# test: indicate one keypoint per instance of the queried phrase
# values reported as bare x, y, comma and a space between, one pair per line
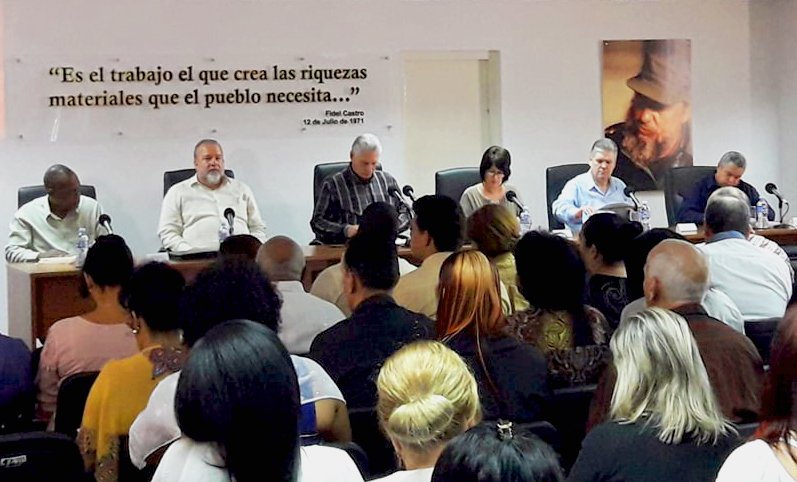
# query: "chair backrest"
71, 401
555, 179
453, 182
129, 472
27, 194
356, 453
544, 430
569, 413
170, 178
323, 171
679, 183
40, 456
761, 332
746, 430
366, 433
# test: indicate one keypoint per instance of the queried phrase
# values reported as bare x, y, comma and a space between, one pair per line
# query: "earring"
135, 329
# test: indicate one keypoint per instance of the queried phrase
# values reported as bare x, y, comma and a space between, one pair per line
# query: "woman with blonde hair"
512, 376
665, 423
426, 397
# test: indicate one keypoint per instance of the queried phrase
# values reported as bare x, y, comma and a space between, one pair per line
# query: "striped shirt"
344, 196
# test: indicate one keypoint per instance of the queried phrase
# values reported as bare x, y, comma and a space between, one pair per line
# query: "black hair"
153, 294
244, 245
610, 234
497, 157
240, 380
727, 213
373, 261
109, 262
552, 276
637, 254
380, 220
442, 218
482, 455
229, 289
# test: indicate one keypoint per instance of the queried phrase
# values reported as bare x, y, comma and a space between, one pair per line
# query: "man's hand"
588, 210
53, 253
351, 230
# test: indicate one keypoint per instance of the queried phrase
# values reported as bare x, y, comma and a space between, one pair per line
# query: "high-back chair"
555, 179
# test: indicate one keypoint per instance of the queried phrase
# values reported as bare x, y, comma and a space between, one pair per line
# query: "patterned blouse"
609, 295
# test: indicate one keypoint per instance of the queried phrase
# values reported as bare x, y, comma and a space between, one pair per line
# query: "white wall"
550, 70
784, 74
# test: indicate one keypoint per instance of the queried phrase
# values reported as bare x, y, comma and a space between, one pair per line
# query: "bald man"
47, 226
303, 315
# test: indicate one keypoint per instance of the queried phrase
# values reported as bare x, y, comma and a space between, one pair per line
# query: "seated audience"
380, 221
573, 336
85, 343
676, 277
353, 350
48, 226
123, 387
715, 302
772, 454
244, 245
236, 289
494, 231
494, 171
427, 396
490, 453
17, 394
757, 281
436, 231
603, 241
512, 376
303, 315
239, 380
665, 423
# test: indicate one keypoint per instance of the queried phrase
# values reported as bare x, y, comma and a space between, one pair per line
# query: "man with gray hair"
730, 170
758, 281
344, 195
589, 192
303, 315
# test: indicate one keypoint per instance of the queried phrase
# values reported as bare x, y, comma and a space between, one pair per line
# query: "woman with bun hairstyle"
427, 396
604, 241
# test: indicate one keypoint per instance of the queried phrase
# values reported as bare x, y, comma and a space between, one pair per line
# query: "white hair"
366, 143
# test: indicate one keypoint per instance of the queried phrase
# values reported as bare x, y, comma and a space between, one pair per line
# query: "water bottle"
224, 231
761, 214
644, 215
525, 221
82, 247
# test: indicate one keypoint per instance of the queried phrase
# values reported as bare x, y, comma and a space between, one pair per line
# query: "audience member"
84, 343
487, 453
240, 381
772, 454
123, 387
494, 231
48, 226
604, 240
573, 336
353, 350
193, 210
494, 171
426, 396
17, 393
344, 195
665, 421
380, 222
757, 281
235, 289
244, 245
303, 315
676, 277
512, 376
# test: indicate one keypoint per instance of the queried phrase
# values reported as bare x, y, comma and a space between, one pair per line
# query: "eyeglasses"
495, 172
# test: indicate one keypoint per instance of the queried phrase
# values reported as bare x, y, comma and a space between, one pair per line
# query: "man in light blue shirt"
589, 192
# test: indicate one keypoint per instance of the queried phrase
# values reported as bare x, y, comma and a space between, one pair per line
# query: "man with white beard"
192, 212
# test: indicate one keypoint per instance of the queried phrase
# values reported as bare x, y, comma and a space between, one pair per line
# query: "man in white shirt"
758, 281
303, 315
193, 210
48, 226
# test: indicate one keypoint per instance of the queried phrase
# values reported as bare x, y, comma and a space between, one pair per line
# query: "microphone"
771, 188
631, 192
393, 191
409, 192
511, 196
105, 221
229, 215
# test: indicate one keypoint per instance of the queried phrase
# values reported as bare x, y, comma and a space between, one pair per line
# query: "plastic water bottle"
644, 215
761, 214
525, 221
224, 231
82, 247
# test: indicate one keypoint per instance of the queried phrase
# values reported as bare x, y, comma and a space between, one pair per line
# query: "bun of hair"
421, 421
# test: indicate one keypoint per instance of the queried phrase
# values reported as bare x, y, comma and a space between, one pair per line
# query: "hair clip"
505, 430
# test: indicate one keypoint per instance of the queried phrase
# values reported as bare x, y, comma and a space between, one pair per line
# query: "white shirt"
35, 229
192, 213
190, 461
715, 302
757, 281
417, 475
417, 291
303, 316
753, 462
156, 425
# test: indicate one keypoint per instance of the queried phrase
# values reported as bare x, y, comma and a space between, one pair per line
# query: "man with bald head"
47, 226
303, 315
